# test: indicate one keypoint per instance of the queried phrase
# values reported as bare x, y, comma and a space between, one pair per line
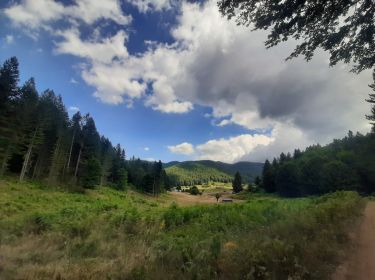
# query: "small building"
227, 200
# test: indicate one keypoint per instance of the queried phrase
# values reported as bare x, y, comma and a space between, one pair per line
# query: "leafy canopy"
344, 28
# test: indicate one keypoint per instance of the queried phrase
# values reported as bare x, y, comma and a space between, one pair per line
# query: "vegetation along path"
361, 264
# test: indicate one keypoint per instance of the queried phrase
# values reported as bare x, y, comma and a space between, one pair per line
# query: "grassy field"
49, 233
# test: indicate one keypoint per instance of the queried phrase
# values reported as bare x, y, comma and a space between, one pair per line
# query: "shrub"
194, 190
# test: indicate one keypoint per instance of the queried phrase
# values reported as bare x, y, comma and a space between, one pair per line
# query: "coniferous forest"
39, 141
344, 164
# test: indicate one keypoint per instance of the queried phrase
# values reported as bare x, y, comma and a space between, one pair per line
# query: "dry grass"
186, 199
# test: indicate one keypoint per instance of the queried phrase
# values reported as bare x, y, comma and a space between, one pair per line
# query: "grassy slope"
47, 233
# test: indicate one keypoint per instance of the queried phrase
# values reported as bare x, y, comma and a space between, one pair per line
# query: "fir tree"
237, 183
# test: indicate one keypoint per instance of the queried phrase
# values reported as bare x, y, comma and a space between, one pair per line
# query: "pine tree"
237, 183
75, 128
9, 78
268, 177
9, 93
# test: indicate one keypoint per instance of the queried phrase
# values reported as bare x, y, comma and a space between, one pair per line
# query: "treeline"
39, 141
195, 173
345, 164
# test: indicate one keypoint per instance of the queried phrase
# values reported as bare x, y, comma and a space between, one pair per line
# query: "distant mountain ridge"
200, 171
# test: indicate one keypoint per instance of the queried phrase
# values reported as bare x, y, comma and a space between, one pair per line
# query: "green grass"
49, 233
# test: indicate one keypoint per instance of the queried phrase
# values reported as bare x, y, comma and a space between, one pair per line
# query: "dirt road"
361, 264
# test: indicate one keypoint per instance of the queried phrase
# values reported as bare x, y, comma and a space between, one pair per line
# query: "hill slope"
192, 173
197, 172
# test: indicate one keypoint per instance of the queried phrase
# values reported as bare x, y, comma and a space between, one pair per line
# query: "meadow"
52, 233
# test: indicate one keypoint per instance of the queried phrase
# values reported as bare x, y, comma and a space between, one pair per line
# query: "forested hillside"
248, 170
202, 171
195, 173
39, 141
345, 164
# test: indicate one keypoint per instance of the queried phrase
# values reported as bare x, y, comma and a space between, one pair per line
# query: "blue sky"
173, 80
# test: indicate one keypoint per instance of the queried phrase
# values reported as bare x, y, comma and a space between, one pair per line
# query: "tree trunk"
5, 161
28, 155
26, 162
70, 150
53, 172
78, 160
36, 168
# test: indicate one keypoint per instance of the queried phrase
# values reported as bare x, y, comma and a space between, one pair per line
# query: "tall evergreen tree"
9, 78
9, 91
237, 183
268, 177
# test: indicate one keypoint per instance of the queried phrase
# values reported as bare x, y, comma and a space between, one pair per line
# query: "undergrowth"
50, 233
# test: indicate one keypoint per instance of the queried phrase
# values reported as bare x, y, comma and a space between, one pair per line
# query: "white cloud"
90, 11
286, 137
9, 39
152, 5
232, 149
150, 159
35, 14
146, 149
73, 109
183, 148
102, 51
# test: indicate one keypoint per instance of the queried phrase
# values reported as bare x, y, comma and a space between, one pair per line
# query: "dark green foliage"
287, 180
149, 177
39, 141
346, 164
194, 190
91, 173
258, 182
268, 177
237, 183
9, 77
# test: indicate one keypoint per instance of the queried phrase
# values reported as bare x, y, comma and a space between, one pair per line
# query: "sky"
174, 80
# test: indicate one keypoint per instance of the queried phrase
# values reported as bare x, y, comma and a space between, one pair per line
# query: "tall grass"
48, 233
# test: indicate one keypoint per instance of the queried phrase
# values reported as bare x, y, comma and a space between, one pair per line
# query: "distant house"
227, 200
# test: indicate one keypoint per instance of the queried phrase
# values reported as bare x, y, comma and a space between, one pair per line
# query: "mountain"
198, 172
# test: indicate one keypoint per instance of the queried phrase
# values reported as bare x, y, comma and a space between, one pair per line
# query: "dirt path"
361, 264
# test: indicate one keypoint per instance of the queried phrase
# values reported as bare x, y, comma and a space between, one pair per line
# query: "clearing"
185, 199
361, 264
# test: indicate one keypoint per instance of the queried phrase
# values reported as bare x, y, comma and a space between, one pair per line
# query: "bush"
194, 190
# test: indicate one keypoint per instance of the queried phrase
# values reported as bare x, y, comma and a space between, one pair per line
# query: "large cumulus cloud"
215, 63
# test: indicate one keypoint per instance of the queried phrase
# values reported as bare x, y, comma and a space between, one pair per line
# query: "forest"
39, 141
195, 173
344, 164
